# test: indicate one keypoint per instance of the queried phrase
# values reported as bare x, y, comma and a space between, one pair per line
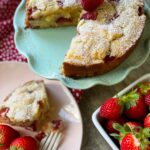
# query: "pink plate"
13, 74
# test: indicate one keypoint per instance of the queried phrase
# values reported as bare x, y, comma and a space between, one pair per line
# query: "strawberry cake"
107, 31
25, 105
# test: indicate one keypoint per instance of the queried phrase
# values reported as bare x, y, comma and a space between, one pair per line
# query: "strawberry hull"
99, 122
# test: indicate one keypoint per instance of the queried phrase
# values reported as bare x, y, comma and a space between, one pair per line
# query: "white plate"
97, 120
14, 74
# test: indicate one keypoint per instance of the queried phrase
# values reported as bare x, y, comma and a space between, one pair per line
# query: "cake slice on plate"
26, 105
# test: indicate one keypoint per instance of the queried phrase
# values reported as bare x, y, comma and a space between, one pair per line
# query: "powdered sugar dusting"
117, 35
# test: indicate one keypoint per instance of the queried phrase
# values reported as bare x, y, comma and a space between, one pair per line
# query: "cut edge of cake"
48, 17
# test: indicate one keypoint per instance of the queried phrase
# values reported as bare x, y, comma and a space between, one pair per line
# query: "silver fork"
51, 141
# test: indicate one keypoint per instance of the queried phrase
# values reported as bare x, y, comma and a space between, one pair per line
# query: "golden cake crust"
27, 24
76, 71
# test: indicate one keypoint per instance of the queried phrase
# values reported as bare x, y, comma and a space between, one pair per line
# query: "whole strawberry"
24, 143
136, 140
7, 135
109, 124
130, 142
131, 139
111, 109
91, 5
147, 121
135, 107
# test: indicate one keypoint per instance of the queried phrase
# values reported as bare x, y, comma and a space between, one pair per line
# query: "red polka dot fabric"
8, 51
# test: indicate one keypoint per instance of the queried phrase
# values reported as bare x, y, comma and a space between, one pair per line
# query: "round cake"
105, 36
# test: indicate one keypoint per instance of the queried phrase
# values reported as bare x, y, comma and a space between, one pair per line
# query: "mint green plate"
45, 50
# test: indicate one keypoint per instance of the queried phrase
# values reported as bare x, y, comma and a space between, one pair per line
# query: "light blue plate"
45, 50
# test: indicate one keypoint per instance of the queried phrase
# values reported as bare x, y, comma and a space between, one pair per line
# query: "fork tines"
51, 141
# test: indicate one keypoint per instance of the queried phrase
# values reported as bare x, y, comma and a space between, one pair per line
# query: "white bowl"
97, 120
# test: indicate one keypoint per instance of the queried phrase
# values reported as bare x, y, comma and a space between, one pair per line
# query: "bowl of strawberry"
124, 120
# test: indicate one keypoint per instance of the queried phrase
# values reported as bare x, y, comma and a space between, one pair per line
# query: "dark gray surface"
93, 98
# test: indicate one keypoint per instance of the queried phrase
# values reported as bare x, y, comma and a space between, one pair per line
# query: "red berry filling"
4, 111
63, 20
91, 5
108, 58
141, 11
89, 16
60, 3
40, 136
56, 124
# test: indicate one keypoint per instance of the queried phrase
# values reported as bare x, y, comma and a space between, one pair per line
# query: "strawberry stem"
145, 88
130, 99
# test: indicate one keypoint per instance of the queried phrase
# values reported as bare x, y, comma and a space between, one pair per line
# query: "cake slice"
26, 105
105, 40
52, 13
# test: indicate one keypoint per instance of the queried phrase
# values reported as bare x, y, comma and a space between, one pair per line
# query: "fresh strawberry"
147, 98
91, 5
63, 20
24, 143
136, 140
135, 107
143, 88
147, 121
111, 109
7, 135
123, 130
109, 124
130, 142
131, 139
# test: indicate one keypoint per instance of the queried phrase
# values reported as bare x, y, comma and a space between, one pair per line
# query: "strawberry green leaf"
127, 128
13, 148
142, 146
115, 135
145, 88
1, 144
130, 99
146, 132
144, 143
118, 127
